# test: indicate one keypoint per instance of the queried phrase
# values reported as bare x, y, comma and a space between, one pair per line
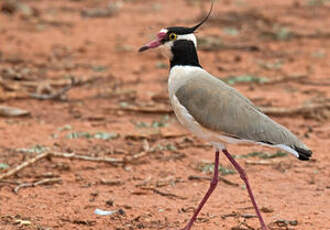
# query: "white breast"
179, 75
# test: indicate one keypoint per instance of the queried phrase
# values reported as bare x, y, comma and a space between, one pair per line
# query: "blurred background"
90, 116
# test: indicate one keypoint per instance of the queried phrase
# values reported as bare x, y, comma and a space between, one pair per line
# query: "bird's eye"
172, 36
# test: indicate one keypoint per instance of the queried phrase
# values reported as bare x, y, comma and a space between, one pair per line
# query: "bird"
214, 111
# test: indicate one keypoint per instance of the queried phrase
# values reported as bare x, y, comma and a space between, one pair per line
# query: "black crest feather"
205, 19
186, 30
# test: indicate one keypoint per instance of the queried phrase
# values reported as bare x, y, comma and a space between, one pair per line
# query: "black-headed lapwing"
214, 111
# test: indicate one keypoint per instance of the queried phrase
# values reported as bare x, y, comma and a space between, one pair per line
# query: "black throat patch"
184, 53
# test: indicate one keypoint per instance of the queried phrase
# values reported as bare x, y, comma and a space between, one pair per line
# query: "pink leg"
213, 185
245, 179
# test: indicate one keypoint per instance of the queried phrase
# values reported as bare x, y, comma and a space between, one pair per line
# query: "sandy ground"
277, 53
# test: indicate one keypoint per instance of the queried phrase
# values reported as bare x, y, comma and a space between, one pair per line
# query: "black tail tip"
304, 154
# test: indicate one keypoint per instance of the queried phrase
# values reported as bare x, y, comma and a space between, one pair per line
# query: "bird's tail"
304, 153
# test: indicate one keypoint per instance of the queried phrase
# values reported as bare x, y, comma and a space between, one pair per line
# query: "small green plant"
154, 124
319, 54
123, 104
271, 65
34, 149
282, 33
65, 128
99, 68
141, 124
231, 31
161, 65
76, 135
317, 2
169, 147
87, 135
105, 135
3, 166
272, 155
262, 155
209, 167
231, 80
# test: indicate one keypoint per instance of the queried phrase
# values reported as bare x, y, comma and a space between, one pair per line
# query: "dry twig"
144, 109
61, 82
285, 79
23, 165
74, 156
112, 161
166, 194
20, 90
318, 83
57, 95
260, 162
209, 179
46, 181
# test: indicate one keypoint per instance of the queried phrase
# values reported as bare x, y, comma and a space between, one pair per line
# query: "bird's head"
168, 37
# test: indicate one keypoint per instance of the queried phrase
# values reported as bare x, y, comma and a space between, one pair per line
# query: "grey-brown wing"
221, 108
